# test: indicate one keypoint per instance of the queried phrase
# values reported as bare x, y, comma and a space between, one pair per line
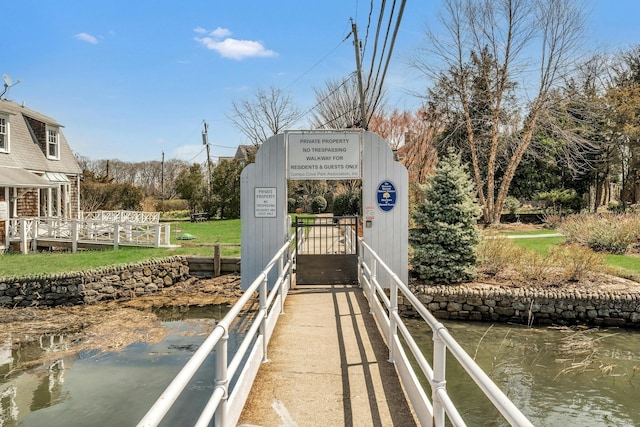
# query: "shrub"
615, 207
346, 204
535, 267
511, 204
608, 232
561, 201
319, 204
495, 252
291, 205
173, 215
576, 261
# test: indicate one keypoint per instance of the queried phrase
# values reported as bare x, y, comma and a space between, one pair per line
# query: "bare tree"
338, 105
268, 113
510, 32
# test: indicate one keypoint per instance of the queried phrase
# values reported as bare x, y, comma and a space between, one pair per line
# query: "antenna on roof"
7, 84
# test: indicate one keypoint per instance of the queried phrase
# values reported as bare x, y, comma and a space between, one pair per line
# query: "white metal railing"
385, 310
28, 231
225, 404
122, 216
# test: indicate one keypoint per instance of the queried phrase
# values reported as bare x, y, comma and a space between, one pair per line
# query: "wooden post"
216, 260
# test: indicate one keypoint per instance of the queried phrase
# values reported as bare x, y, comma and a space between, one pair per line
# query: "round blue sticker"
386, 195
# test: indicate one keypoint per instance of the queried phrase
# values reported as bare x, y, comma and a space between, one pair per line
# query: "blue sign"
386, 196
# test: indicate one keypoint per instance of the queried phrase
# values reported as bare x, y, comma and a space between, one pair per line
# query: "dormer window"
4, 134
53, 143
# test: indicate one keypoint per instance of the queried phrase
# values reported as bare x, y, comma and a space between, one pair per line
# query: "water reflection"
43, 384
27, 385
555, 376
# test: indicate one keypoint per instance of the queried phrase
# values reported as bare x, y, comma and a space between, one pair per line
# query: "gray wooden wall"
263, 237
389, 232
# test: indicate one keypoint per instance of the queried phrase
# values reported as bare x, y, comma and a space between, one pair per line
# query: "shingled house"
39, 175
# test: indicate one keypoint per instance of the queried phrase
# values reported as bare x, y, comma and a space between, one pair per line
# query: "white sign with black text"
334, 155
265, 202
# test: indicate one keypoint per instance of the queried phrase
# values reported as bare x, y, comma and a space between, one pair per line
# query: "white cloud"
86, 38
201, 30
220, 32
236, 49
228, 47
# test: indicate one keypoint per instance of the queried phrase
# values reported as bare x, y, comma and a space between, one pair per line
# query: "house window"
4, 135
53, 143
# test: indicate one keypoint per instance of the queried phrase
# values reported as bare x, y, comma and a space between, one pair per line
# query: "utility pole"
162, 181
205, 141
356, 45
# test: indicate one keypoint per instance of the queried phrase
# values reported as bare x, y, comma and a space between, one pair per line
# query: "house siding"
27, 202
40, 131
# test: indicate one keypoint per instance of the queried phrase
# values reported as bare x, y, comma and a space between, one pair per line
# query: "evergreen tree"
445, 242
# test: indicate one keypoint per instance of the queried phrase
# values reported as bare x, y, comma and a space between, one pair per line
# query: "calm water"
556, 377
107, 389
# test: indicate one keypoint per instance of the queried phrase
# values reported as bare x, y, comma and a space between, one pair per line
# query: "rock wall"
86, 287
528, 305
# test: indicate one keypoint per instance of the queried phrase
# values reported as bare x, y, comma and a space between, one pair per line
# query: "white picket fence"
135, 217
79, 232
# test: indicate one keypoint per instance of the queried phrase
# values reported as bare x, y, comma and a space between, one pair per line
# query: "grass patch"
626, 262
540, 245
530, 232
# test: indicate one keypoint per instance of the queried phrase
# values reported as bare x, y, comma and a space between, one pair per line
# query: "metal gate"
327, 250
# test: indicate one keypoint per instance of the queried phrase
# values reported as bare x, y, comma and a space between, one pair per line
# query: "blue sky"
131, 79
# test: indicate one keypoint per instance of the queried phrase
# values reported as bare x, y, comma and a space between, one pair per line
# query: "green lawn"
542, 245
530, 232
206, 235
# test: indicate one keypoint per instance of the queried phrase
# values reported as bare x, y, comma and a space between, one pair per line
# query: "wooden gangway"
328, 365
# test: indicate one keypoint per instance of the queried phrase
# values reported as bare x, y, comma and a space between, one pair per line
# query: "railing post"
221, 380
282, 282
116, 235
34, 235
263, 322
393, 324
439, 381
374, 281
167, 234
74, 236
158, 228
23, 236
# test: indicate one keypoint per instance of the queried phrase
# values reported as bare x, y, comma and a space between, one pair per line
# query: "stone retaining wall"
124, 281
528, 305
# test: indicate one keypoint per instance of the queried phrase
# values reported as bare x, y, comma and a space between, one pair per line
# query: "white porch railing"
385, 311
225, 404
28, 231
122, 216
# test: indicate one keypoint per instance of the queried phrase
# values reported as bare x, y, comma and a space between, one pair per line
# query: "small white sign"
369, 213
324, 155
4, 211
265, 202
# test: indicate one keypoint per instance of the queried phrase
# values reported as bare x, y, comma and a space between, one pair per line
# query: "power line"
391, 45
319, 62
328, 95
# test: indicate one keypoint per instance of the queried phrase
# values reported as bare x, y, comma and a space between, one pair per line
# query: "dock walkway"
327, 366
